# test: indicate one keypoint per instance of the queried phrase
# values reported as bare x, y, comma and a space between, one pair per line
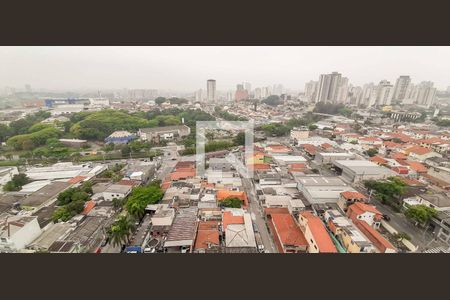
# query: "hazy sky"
188, 68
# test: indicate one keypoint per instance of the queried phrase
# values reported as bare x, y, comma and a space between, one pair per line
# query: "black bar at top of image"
231, 22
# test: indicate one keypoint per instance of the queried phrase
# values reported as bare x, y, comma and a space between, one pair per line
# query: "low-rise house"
381, 243
118, 191
16, 232
319, 241
442, 173
240, 235
288, 236
438, 201
347, 198
351, 238
224, 194
207, 236
181, 236
421, 153
365, 212
49, 236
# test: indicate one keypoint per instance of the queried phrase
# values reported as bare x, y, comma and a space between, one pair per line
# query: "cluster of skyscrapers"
243, 91
335, 88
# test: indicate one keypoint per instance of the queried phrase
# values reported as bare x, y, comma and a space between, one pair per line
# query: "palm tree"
121, 230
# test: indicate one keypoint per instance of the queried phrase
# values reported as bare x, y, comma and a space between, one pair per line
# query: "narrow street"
257, 217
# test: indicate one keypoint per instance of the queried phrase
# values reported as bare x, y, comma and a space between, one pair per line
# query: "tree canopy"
273, 100
232, 202
141, 197
16, 183
420, 213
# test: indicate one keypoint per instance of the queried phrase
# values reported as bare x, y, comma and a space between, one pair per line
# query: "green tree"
141, 197
372, 152
400, 236
272, 100
121, 230
421, 214
239, 139
16, 183
125, 151
160, 100
231, 202
312, 127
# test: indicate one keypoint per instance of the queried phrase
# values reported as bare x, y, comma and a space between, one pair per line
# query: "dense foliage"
273, 100
232, 202
227, 116
332, 109
71, 202
420, 213
16, 183
32, 140
141, 197
99, 125
372, 152
387, 191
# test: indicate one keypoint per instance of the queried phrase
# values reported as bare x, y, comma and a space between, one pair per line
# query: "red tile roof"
398, 156
76, 179
378, 159
182, 175
374, 236
318, 230
353, 195
228, 218
276, 210
207, 234
288, 231
88, 206
400, 170
418, 150
360, 208
311, 149
417, 166
224, 194
326, 146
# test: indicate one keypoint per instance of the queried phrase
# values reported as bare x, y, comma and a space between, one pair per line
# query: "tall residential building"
257, 93
229, 96
241, 93
265, 92
425, 94
342, 92
401, 87
311, 90
355, 95
382, 94
277, 89
211, 90
248, 87
199, 95
328, 87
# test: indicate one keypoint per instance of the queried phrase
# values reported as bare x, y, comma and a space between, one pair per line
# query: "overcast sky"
188, 68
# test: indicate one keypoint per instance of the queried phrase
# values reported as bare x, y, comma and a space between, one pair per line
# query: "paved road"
419, 237
257, 217
167, 163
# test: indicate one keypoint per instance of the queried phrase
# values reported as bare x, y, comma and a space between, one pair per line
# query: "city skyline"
187, 68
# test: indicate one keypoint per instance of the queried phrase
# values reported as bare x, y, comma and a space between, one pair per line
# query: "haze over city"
187, 68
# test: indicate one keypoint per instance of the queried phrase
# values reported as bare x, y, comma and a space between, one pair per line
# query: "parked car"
386, 217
